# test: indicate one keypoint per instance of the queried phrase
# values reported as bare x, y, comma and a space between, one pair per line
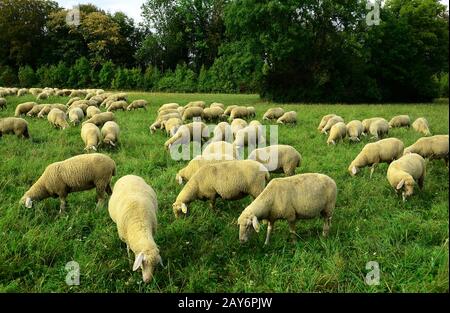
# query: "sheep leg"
100, 196
108, 189
372, 169
212, 203
62, 206
269, 230
421, 182
292, 231
326, 226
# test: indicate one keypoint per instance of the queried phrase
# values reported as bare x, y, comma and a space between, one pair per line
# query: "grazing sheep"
218, 105
194, 131
58, 119
14, 125
101, 118
42, 96
97, 99
239, 112
278, 158
89, 95
185, 174
400, 121
421, 126
168, 111
22, 92
249, 136
110, 133
91, 136
180, 110
46, 108
251, 111
405, 172
241, 178
273, 114
213, 113
118, 105
229, 109
79, 173
192, 112
223, 132
24, 108
82, 104
35, 110
78, 93
288, 118
35, 91
91, 111
198, 104
3, 103
76, 115
367, 122
324, 121
159, 123
354, 130
332, 121
220, 147
72, 100
434, 147
133, 207
60, 106
171, 125
383, 151
168, 106
237, 125
379, 129
303, 196
137, 104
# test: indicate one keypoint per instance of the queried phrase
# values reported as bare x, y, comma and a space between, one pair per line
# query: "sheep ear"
184, 208
400, 184
160, 260
354, 170
180, 180
255, 224
28, 203
138, 261
94, 148
112, 143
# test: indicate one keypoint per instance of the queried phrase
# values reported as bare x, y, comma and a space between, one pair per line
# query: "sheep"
400, 121
251, 111
324, 121
223, 132
118, 105
405, 172
82, 104
101, 118
3, 103
91, 111
278, 158
24, 108
199, 104
379, 129
229, 109
168, 111
217, 104
383, 151
331, 122
58, 119
213, 113
46, 108
303, 196
168, 106
60, 93
171, 125
42, 96
288, 118
367, 122
239, 112
14, 125
185, 174
273, 114
250, 135
78, 93
220, 147
158, 124
420, 125
354, 130
22, 92
137, 104
434, 147
110, 133
240, 178
192, 112
97, 99
194, 131
180, 110
35, 91
237, 125
91, 136
79, 173
89, 95
72, 100
35, 110
60, 106
133, 207
76, 115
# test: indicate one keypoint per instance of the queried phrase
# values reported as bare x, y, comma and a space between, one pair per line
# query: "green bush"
8, 77
43, 76
150, 78
27, 77
80, 74
107, 74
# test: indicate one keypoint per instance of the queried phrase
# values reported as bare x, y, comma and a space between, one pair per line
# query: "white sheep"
383, 151
72, 100
273, 114
169, 106
22, 92
110, 133
324, 121
251, 111
238, 112
278, 158
91, 136
434, 147
3, 103
220, 147
42, 96
137, 104
101, 118
367, 122
14, 125
237, 125
249, 136
405, 172
79, 173
213, 113
171, 125
421, 125
332, 121
24, 108
243, 177
117, 105
217, 104
354, 130
133, 206
91, 111
46, 108
288, 118
198, 104
223, 132
229, 109
192, 112
58, 118
198, 162
76, 115
379, 129
303, 196
35, 110
186, 133
337, 132
400, 121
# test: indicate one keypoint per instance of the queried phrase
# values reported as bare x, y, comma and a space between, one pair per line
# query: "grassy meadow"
202, 253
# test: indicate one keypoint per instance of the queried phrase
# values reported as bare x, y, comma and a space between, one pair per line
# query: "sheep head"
353, 169
147, 261
245, 227
408, 185
178, 208
26, 201
179, 179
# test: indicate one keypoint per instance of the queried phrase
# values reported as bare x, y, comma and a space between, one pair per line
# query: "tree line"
285, 50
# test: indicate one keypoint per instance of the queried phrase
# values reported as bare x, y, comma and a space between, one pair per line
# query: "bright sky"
131, 7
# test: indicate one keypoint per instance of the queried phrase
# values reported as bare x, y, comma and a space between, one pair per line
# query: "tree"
107, 74
80, 74
27, 77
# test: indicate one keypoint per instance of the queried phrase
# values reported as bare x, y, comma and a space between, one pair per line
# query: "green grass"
202, 253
